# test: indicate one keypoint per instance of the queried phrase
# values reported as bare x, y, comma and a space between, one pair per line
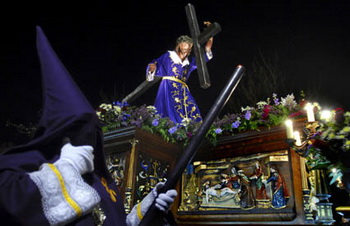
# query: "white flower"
106, 106
109, 107
151, 107
103, 106
117, 109
261, 104
289, 101
248, 108
185, 121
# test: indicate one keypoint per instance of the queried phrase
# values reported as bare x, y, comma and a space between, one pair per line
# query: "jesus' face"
184, 49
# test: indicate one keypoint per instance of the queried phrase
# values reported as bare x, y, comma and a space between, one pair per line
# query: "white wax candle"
297, 138
310, 112
289, 127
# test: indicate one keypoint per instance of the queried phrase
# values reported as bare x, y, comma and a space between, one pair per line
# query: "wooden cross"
198, 40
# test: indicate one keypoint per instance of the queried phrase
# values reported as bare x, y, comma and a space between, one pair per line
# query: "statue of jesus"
174, 99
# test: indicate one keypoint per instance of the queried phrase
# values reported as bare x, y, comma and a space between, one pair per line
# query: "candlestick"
289, 127
297, 138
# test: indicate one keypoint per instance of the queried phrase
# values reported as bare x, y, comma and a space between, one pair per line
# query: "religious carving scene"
246, 183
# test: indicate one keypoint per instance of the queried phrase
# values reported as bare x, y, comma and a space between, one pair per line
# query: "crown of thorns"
184, 38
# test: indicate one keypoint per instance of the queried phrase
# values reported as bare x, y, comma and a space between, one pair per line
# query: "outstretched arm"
150, 71
209, 43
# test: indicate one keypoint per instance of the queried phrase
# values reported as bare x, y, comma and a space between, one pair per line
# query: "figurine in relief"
280, 193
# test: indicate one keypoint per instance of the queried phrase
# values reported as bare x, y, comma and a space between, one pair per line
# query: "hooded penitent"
66, 114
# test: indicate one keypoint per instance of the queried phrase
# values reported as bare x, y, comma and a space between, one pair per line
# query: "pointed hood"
66, 111
63, 100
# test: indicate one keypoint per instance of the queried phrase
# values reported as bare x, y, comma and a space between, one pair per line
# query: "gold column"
304, 175
306, 192
128, 188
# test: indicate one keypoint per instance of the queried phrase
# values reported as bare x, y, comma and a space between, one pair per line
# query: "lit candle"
289, 126
326, 115
310, 112
297, 138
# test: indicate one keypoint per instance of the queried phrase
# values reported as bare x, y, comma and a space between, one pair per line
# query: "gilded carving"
242, 183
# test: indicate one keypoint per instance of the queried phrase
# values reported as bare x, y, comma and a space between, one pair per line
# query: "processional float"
153, 216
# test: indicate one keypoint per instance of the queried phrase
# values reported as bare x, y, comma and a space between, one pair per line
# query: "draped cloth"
247, 195
260, 192
66, 113
280, 194
174, 99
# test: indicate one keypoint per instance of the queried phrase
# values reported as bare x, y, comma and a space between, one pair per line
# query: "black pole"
153, 213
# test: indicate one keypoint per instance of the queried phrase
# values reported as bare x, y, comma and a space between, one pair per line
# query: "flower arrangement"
265, 114
117, 115
336, 130
330, 145
326, 149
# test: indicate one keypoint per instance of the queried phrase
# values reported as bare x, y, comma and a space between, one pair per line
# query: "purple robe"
66, 113
174, 99
20, 199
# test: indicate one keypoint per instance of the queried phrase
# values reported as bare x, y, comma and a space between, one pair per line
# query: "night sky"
107, 45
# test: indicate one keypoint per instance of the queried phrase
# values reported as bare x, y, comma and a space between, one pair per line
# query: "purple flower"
155, 122
236, 124
275, 99
126, 116
136, 123
248, 115
218, 130
121, 104
172, 130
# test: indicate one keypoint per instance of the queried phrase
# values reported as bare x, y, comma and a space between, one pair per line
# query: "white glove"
164, 200
80, 157
163, 203
150, 76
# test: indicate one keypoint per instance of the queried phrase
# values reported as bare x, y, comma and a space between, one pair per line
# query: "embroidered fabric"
57, 209
135, 216
163, 203
176, 59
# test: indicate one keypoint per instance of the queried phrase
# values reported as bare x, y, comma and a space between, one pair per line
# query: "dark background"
107, 45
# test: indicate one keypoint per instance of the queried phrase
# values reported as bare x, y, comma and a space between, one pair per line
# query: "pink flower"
266, 111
